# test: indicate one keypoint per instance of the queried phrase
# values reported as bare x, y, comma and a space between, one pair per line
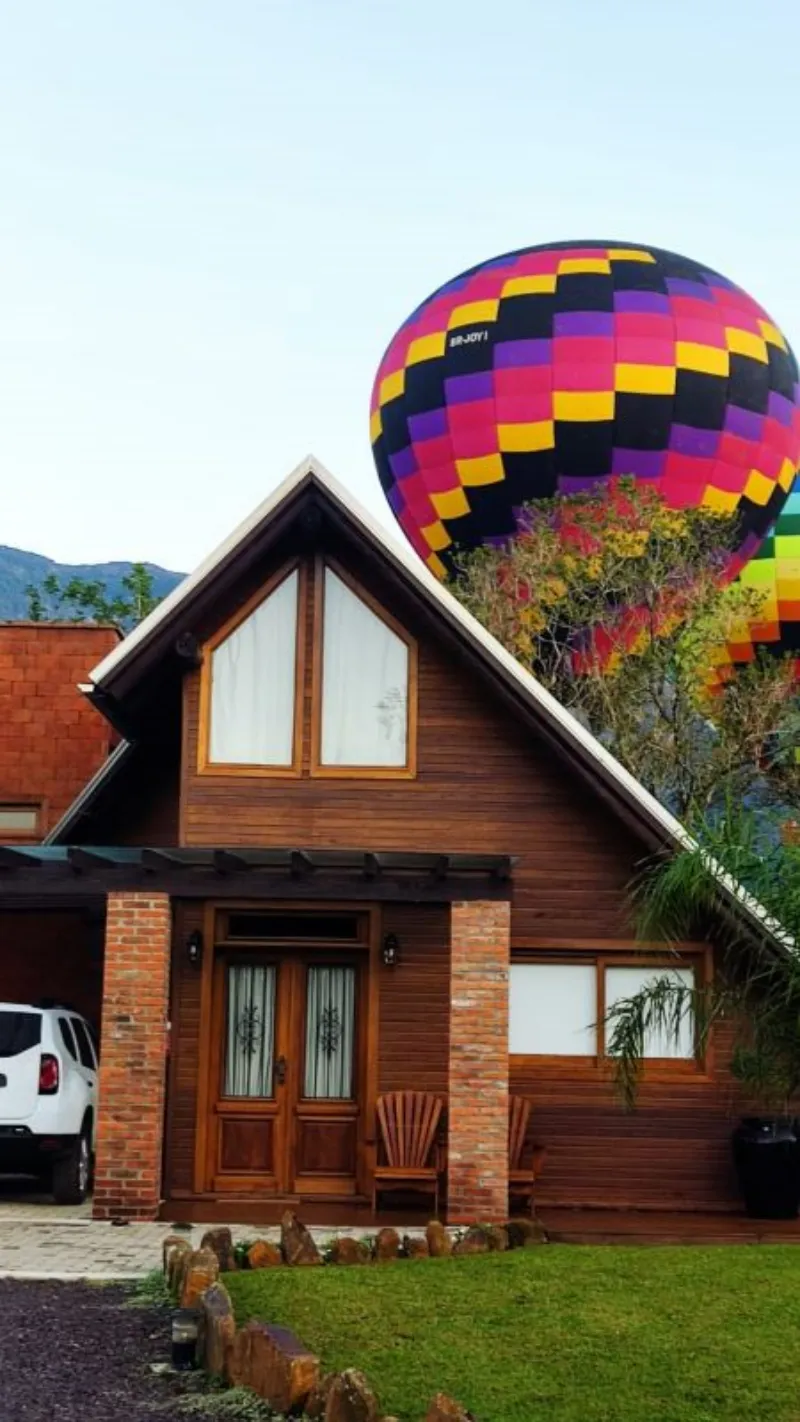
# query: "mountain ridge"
19, 568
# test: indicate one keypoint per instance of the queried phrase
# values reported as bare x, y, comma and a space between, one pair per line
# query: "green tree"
619, 606
757, 986
87, 600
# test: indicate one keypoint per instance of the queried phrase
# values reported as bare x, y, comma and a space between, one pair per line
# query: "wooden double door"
286, 1069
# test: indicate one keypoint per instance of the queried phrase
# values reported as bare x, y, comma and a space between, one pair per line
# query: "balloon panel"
774, 572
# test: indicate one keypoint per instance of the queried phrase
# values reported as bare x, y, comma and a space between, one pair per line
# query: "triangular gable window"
365, 679
252, 685
359, 668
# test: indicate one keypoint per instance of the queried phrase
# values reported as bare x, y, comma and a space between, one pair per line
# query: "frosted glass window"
364, 684
553, 1009
19, 819
626, 982
253, 685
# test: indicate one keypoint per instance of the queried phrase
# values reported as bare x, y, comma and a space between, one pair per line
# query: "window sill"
298, 772
597, 1069
362, 772
250, 772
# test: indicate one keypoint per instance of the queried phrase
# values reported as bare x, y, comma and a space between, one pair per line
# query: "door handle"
280, 1070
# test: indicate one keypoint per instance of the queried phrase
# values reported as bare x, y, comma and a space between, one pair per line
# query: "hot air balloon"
555, 368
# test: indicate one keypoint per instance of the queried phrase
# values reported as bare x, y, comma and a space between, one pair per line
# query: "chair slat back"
519, 1112
408, 1122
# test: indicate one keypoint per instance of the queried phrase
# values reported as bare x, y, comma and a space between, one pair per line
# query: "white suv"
48, 1097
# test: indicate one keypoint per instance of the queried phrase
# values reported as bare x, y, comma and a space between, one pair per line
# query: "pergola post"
477, 1153
133, 1056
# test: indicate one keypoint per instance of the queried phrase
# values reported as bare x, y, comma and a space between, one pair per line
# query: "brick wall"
133, 1065
477, 1154
51, 739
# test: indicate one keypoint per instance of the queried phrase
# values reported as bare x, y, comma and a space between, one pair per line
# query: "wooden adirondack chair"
521, 1177
408, 1122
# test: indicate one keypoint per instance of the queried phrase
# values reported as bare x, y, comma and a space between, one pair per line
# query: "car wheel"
72, 1171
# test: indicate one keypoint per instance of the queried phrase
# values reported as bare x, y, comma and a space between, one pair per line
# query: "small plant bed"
597, 1334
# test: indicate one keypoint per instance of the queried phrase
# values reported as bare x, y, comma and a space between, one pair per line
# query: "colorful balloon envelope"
555, 368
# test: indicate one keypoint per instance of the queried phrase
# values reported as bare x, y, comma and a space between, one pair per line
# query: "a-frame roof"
118, 673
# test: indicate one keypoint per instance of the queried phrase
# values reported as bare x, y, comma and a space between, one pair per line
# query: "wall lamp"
185, 1334
194, 947
390, 951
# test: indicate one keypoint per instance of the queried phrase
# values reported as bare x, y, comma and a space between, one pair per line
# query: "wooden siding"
184, 1057
414, 996
672, 1152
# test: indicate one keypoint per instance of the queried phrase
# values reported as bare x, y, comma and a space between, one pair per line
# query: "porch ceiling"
64, 871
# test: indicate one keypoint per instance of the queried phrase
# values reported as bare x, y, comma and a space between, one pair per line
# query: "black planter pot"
766, 1153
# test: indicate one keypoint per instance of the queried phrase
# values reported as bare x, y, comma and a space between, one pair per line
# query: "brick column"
130, 1124
477, 1152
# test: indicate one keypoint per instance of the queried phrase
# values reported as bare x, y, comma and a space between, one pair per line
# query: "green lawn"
570, 1334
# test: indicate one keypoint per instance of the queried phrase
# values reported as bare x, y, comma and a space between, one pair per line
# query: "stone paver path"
78, 1249
40, 1240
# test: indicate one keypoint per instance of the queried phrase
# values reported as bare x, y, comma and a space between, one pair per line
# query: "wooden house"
348, 847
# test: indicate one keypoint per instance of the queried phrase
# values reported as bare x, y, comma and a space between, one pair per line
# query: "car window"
19, 1031
93, 1040
84, 1045
68, 1037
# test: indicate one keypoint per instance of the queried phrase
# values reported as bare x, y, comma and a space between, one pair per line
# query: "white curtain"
249, 1029
253, 685
625, 982
365, 684
330, 1033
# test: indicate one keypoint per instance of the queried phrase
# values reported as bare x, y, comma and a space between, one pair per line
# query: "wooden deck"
664, 1227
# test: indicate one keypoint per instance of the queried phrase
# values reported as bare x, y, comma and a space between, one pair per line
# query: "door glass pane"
249, 1029
330, 1033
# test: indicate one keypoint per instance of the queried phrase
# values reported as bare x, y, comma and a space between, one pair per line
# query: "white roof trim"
436, 593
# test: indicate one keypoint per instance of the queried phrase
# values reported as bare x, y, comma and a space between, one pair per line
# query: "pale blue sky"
214, 214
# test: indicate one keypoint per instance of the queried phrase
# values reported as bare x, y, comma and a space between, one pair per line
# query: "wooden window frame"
698, 956
23, 802
312, 910
205, 766
408, 771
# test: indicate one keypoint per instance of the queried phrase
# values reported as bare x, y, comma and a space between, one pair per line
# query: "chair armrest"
538, 1155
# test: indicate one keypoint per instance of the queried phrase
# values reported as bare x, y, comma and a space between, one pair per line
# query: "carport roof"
254, 873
